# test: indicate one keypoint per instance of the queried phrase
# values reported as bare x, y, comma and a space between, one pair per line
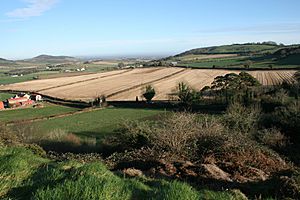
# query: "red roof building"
1, 105
17, 102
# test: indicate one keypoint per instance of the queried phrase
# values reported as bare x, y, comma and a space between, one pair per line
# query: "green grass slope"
25, 175
232, 49
257, 56
96, 123
4, 96
33, 113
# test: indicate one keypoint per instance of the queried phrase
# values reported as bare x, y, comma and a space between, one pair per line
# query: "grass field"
25, 175
4, 96
239, 62
33, 113
96, 123
5, 79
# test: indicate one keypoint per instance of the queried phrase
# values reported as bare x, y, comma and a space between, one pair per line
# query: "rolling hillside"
232, 49
249, 56
6, 62
51, 59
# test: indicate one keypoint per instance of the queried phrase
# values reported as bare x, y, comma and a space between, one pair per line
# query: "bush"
185, 94
176, 134
272, 137
132, 135
285, 118
241, 118
149, 93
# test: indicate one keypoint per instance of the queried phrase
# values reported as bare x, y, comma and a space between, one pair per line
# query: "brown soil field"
125, 85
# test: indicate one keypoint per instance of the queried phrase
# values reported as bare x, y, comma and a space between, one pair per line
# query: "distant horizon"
129, 56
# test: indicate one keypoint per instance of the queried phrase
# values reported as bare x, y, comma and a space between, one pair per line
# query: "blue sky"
140, 27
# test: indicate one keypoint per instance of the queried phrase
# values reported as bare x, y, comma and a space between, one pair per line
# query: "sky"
140, 27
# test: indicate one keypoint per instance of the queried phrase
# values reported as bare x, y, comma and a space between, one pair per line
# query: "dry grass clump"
272, 137
7, 137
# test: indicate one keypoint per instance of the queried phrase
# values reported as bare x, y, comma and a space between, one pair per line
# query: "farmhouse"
18, 102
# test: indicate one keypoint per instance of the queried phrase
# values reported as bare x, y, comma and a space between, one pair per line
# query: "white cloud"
33, 8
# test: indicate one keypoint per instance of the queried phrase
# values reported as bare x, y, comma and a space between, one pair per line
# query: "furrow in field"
127, 84
108, 86
158, 85
86, 80
38, 85
195, 78
146, 83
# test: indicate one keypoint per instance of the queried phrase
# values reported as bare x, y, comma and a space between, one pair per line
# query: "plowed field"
127, 84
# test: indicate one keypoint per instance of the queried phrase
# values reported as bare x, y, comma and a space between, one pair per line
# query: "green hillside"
250, 56
233, 49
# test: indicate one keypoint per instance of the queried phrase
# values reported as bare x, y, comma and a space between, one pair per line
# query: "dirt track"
127, 84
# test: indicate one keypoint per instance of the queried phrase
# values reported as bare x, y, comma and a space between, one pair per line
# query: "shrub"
149, 93
285, 118
176, 133
241, 118
186, 94
132, 135
272, 137
27, 132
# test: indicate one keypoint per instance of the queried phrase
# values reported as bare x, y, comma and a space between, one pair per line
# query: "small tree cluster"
149, 93
186, 94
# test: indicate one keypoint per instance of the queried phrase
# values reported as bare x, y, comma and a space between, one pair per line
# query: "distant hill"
289, 55
234, 49
237, 56
6, 62
284, 52
52, 59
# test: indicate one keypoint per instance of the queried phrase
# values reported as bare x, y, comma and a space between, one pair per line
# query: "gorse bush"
286, 118
133, 134
175, 134
241, 118
202, 139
